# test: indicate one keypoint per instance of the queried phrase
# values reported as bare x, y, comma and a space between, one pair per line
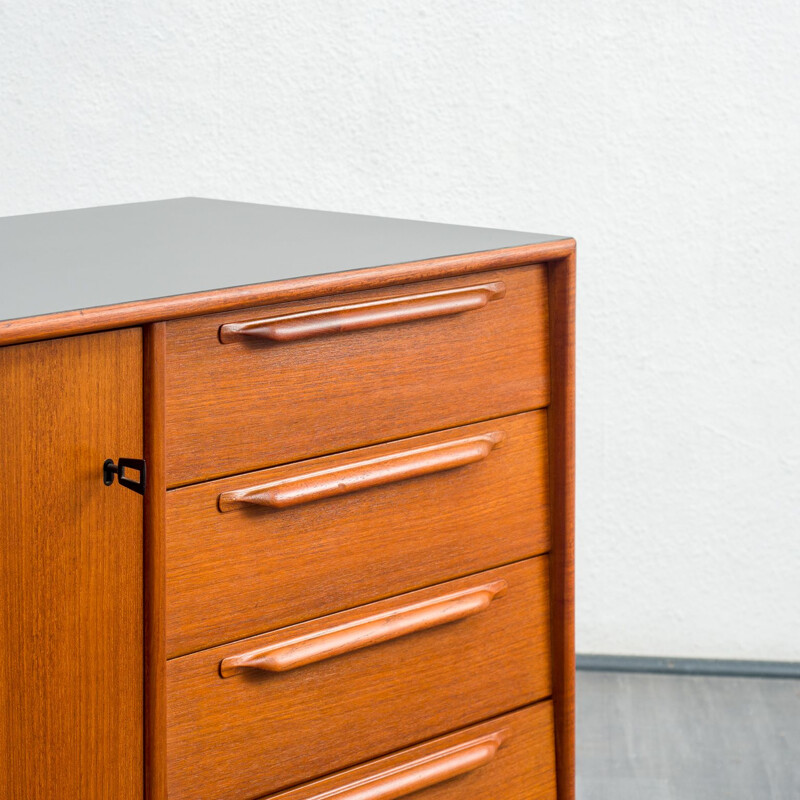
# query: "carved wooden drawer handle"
359, 316
421, 773
297, 651
304, 488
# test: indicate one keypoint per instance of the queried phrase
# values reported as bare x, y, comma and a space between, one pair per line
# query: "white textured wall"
664, 136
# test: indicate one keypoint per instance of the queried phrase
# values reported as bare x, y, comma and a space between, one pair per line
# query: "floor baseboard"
689, 666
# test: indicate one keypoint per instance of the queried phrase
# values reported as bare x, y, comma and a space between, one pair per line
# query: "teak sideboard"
287, 507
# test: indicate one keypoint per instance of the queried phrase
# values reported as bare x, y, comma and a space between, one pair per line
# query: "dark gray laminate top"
66, 260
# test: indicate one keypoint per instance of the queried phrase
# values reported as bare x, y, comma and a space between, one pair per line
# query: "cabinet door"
70, 570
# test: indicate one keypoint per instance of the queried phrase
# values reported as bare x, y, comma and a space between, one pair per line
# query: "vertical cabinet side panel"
561, 441
70, 570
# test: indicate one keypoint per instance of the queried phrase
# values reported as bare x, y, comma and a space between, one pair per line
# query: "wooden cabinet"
347, 571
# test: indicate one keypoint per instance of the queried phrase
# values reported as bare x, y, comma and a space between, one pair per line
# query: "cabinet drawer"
308, 700
512, 756
250, 389
479, 500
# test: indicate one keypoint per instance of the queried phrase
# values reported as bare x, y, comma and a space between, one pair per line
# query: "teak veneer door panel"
70, 570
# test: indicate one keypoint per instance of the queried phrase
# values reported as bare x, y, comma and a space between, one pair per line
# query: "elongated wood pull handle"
423, 772
297, 651
305, 488
359, 316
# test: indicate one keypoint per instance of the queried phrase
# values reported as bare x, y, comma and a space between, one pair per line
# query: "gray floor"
687, 737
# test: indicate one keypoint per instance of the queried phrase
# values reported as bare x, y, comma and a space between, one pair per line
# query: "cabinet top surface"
67, 260
56, 266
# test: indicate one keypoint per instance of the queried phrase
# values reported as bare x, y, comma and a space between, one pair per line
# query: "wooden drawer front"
254, 568
509, 758
314, 384
291, 709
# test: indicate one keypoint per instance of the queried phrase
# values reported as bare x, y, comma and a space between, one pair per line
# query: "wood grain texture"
362, 316
70, 571
415, 462
561, 424
422, 774
243, 406
88, 320
522, 767
255, 733
155, 666
240, 573
329, 641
